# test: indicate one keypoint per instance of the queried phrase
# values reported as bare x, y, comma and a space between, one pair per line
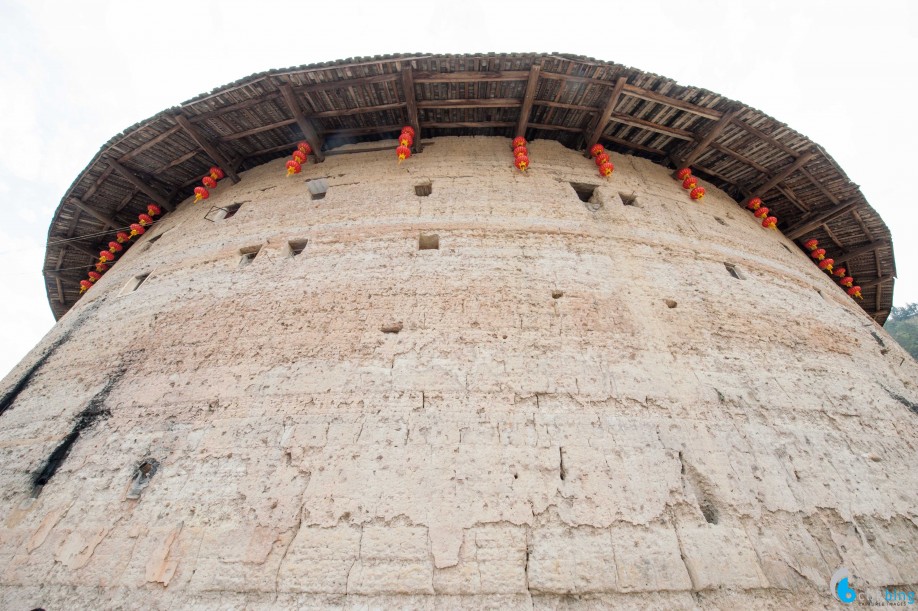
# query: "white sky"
74, 74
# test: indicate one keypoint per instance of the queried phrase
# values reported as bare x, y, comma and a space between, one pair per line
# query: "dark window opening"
429, 242
734, 271
142, 476
423, 190
296, 247
231, 210
134, 283
248, 255
628, 199
584, 191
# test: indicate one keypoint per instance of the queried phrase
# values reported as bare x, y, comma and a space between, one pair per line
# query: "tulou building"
445, 382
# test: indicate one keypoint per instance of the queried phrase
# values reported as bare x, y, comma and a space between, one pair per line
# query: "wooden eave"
562, 97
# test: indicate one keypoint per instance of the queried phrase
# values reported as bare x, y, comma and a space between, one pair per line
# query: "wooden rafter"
532, 86
705, 141
465, 77
105, 219
603, 121
673, 132
470, 103
767, 138
806, 225
411, 104
150, 192
309, 132
859, 251
652, 96
209, 147
872, 283
148, 144
780, 177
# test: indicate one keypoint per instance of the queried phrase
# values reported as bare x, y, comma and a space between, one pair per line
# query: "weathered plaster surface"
544, 431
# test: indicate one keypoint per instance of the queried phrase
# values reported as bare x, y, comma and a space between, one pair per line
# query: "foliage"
903, 326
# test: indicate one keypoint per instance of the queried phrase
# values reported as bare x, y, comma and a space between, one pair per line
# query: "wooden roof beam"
470, 103
149, 143
603, 120
705, 141
309, 132
107, 220
412, 106
652, 96
531, 86
805, 225
209, 147
769, 139
82, 249
859, 251
467, 76
869, 285
780, 177
672, 132
149, 191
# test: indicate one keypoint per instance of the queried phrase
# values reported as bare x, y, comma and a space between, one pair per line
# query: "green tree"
902, 324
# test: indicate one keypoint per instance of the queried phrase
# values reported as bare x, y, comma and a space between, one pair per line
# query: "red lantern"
518, 141
115, 247
811, 244
601, 159
522, 162
138, 229
520, 150
855, 291
85, 285
153, 210
293, 167
122, 237
606, 169
770, 223
697, 193
200, 193
847, 281
144, 219
406, 139
93, 276
303, 147
408, 130
403, 153
819, 253
209, 182
754, 203
106, 256
690, 183
826, 265
840, 272
761, 212
216, 173
299, 157
683, 173
597, 150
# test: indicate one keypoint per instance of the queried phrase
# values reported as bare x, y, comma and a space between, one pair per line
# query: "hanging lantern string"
89, 235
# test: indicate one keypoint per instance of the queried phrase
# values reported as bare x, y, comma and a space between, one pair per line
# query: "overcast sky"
74, 74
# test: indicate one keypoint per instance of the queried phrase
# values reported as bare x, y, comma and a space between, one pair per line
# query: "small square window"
248, 254
231, 210
317, 188
584, 191
734, 271
424, 189
429, 242
296, 247
629, 199
134, 283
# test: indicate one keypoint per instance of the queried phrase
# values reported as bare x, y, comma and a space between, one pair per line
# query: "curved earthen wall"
581, 403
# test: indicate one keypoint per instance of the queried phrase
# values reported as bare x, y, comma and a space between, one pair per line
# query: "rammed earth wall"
565, 404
